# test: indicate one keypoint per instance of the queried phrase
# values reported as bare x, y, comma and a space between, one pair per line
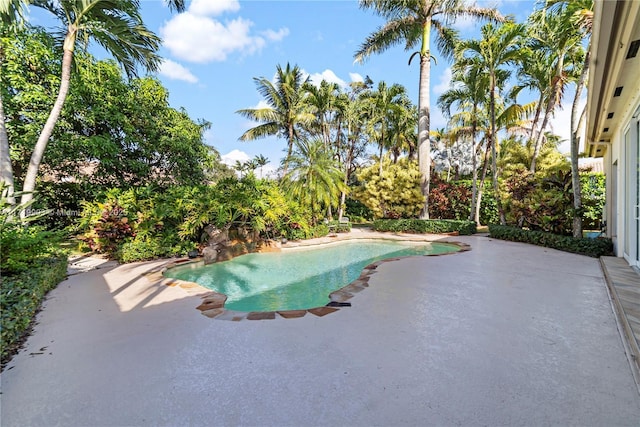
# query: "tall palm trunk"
38, 151
536, 117
474, 166
553, 96
575, 147
291, 135
6, 170
380, 162
483, 177
424, 145
5, 158
494, 151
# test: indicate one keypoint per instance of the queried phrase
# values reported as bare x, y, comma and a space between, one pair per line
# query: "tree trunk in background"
424, 144
485, 168
6, 169
38, 151
474, 166
494, 152
575, 148
553, 96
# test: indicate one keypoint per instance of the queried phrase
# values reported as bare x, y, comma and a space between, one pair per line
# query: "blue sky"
215, 49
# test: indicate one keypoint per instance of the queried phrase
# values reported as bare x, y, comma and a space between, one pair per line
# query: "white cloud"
327, 75
443, 83
213, 7
201, 39
276, 36
230, 158
175, 71
466, 23
355, 77
196, 36
262, 104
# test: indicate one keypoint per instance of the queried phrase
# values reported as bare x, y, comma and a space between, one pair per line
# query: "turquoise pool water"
296, 280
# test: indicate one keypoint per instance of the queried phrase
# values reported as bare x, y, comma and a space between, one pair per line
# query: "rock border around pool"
213, 302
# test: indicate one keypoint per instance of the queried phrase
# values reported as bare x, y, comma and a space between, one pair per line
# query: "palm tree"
383, 104
498, 48
12, 11
579, 15
315, 176
321, 102
260, 162
410, 22
286, 108
566, 54
470, 87
117, 27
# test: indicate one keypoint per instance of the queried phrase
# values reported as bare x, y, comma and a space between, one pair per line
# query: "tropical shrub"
144, 223
449, 200
31, 263
593, 199
583, 246
425, 226
357, 211
543, 203
394, 194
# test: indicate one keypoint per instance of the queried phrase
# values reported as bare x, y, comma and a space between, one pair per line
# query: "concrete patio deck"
504, 334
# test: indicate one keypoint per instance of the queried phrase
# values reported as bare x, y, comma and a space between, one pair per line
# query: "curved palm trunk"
575, 147
424, 145
483, 177
38, 151
553, 96
536, 117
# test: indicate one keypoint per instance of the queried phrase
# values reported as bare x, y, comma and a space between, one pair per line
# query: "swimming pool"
298, 279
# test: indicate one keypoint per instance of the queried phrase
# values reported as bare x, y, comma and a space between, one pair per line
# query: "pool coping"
213, 302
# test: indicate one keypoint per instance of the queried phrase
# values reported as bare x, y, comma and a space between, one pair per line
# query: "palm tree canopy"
406, 20
285, 106
116, 25
12, 11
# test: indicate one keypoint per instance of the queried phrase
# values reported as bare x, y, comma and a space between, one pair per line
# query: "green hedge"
425, 225
583, 246
20, 298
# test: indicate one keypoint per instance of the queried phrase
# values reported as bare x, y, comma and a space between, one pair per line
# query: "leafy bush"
143, 248
339, 227
144, 223
449, 200
20, 298
22, 247
355, 209
583, 246
395, 194
425, 226
543, 203
593, 199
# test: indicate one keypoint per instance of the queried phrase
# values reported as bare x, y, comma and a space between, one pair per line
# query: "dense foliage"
425, 226
591, 247
31, 263
142, 223
112, 132
393, 194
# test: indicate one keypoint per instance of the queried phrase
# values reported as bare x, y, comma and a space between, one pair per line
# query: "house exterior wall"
613, 119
